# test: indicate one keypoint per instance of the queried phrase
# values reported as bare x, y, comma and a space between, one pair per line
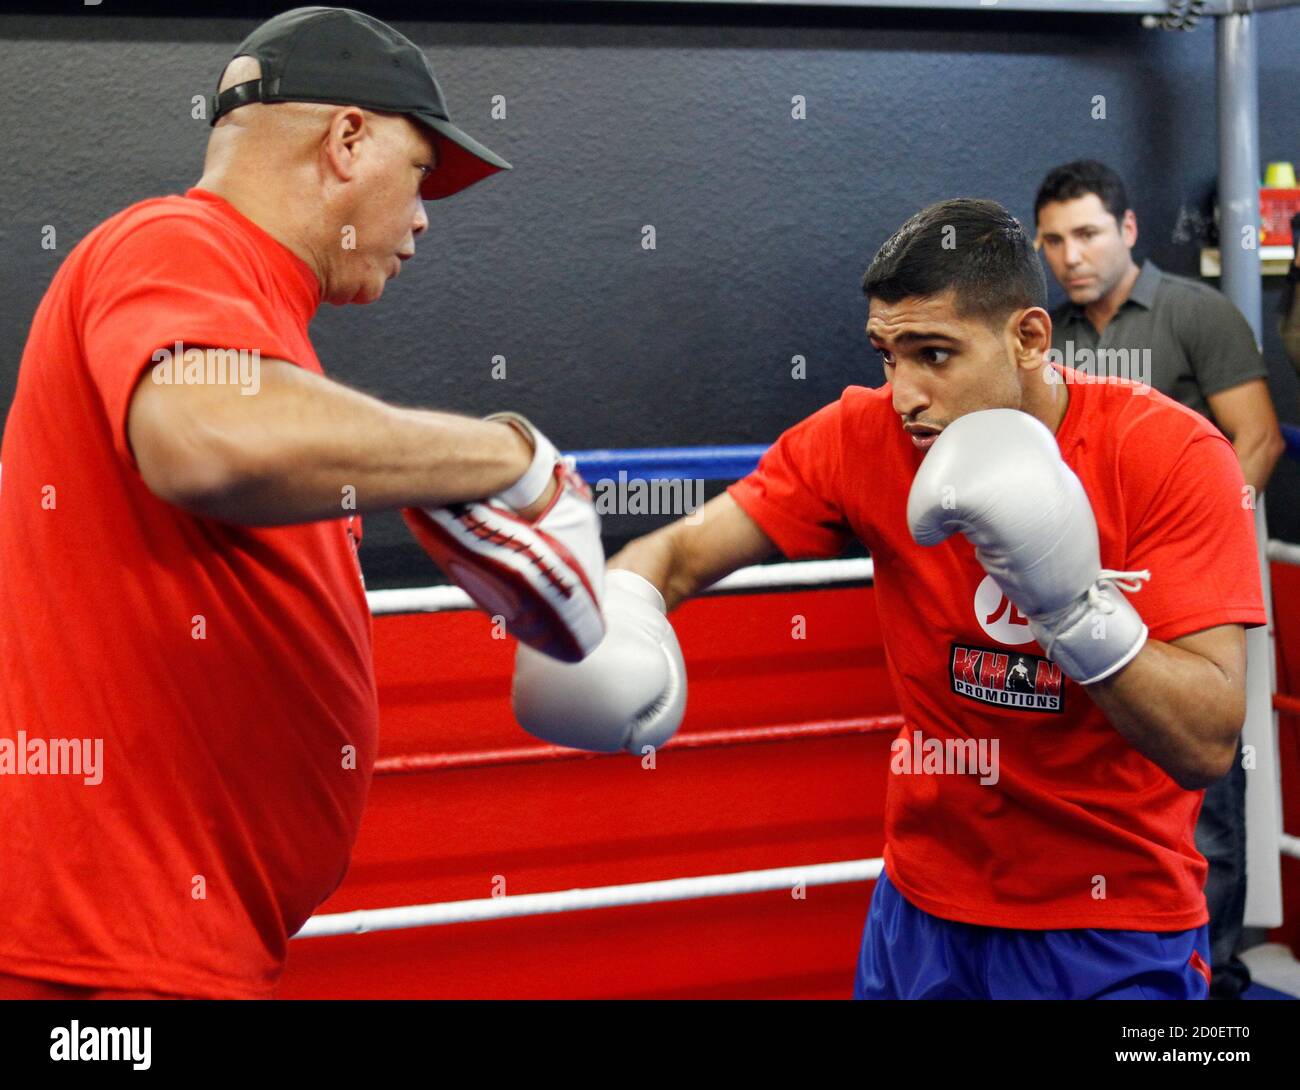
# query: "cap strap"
241, 94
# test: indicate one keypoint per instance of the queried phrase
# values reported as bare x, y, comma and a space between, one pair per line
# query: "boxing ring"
490, 865
726, 829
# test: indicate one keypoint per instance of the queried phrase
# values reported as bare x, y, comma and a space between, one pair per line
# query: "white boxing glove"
997, 476
628, 693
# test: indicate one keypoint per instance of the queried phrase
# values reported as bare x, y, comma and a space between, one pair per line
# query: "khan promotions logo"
1006, 679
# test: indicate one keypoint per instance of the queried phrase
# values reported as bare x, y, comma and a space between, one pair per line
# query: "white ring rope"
366, 920
806, 573
803, 573
418, 600
758, 577
1284, 552
574, 900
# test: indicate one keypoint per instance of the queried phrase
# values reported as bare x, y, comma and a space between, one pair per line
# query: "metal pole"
1238, 104
1238, 107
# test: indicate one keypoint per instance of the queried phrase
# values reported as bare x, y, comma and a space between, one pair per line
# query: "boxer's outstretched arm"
288, 452
688, 555
1182, 703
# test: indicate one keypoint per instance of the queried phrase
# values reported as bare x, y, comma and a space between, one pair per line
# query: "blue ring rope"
689, 463
724, 463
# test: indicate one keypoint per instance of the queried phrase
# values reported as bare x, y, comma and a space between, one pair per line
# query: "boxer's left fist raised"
997, 477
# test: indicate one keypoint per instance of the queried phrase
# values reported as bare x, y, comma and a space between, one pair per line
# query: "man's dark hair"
1078, 179
975, 247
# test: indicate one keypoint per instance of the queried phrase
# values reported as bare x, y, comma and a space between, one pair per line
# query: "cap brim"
462, 160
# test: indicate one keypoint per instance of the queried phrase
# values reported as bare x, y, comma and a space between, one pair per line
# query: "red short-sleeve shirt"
223, 673
1079, 829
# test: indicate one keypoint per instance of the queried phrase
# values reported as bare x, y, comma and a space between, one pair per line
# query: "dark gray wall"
621, 116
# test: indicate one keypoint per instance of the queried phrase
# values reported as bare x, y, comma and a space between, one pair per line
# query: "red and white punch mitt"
545, 577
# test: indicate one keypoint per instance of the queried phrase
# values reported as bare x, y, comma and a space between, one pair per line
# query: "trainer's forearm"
1177, 708
305, 448
381, 457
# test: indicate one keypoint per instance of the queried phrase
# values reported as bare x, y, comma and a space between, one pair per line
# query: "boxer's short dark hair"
975, 247
1079, 178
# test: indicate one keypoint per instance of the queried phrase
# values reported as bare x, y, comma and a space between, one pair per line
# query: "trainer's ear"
348, 138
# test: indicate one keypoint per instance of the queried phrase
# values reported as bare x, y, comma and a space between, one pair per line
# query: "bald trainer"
188, 715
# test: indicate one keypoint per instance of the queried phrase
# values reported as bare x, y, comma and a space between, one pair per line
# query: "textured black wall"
677, 117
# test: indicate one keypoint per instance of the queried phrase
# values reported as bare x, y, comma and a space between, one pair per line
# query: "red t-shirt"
224, 672
1079, 829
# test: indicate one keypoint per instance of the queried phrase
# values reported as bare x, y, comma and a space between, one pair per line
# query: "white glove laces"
1130, 581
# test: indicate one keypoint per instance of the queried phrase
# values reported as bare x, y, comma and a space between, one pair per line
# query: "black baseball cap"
344, 57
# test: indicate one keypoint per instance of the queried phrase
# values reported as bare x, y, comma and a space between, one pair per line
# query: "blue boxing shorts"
909, 954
